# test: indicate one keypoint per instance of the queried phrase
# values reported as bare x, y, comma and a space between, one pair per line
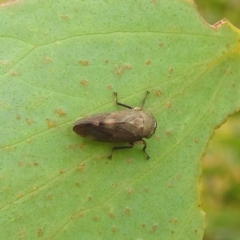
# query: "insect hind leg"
121, 104
119, 148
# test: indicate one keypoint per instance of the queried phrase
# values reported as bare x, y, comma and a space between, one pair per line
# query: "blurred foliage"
221, 182
214, 10
221, 164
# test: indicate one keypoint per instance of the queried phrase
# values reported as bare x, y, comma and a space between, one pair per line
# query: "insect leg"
143, 102
121, 104
144, 148
122, 147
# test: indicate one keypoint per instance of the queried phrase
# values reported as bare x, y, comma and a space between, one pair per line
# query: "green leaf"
62, 60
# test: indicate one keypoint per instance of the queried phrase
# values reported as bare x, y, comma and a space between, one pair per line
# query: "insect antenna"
121, 104
143, 102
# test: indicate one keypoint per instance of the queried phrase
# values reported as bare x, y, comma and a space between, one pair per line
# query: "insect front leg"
144, 148
118, 148
121, 104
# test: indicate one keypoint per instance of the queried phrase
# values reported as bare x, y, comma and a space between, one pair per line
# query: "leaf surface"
62, 61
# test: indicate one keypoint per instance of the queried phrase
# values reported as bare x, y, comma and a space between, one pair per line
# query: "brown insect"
131, 125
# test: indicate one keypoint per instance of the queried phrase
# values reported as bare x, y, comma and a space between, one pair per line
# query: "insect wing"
110, 127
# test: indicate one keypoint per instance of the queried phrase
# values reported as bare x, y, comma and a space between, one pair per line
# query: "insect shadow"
130, 125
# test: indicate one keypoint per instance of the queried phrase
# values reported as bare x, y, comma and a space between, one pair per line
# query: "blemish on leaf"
20, 163
96, 218
154, 227
18, 117
169, 105
5, 63
8, 148
40, 232
84, 63
82, 145
78, 184
175, 221
120, 69
110, 87
35, 164
22, 233
13, 74
74, 216
178, 177
47, 59
20, 195
127, 211
50, 123
65, 17
61, 171
96, 158
90, 199
129, 191
158, 93
148, 62
168, 132
81, 166
111, 214
81, 213
60, 112
146, 189
106, 60
73, 146
49, 197
114, 229
84, 82
128, 66
29, 121
129, 160
196, 140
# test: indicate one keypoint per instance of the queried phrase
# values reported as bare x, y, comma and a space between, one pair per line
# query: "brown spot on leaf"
148, 62
50, 123
60, 112
158, 93
169, 105
29, 121
18, 117
84, 63
65, 17
40, 232
127, 211
84, 82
